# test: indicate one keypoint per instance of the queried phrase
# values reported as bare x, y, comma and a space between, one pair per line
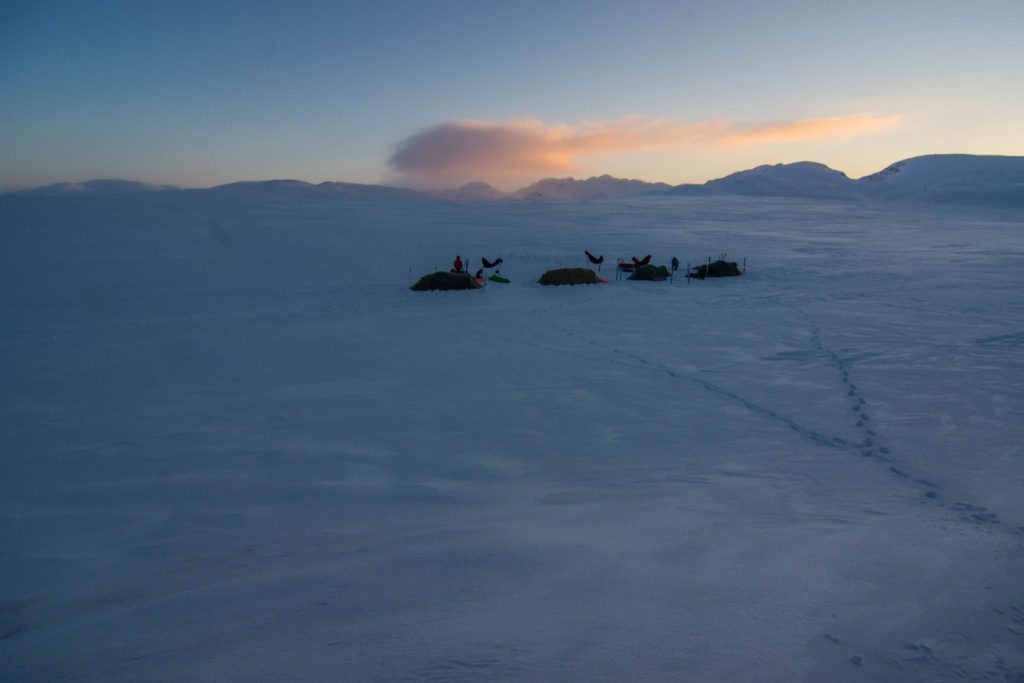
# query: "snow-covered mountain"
950, 178
603, 187
938, 178
104, 187
263, 187
258, 190
277, 188
472, 192
370, 192
806, 179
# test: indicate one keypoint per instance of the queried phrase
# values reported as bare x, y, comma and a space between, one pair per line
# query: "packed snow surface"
237, 447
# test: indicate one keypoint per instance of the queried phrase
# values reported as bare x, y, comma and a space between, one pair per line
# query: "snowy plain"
236, 446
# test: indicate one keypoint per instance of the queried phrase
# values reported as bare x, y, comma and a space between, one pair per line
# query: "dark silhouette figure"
479, 274
675, 264
457, 266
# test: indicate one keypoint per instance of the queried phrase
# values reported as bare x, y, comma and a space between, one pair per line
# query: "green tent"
717, 269
650, 272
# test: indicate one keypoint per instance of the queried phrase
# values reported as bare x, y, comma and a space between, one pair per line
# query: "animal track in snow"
836, 442
859, 403
872, 447
868, 447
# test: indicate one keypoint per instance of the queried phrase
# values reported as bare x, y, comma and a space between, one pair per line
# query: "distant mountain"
354, 190
603, 187
692, 190
371, 192
248, 189
937, 178
97, 187
805, 179
271, 189
262, 187
472, 192
950, 178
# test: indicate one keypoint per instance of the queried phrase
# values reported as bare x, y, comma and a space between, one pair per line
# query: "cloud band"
457, 151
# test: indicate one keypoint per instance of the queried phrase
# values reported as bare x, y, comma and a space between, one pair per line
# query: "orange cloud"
810, 129
458, 151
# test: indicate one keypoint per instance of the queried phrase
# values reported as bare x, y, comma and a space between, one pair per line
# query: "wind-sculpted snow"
238, 447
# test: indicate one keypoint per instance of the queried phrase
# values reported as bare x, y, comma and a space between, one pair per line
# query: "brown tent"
445, 281
569, 276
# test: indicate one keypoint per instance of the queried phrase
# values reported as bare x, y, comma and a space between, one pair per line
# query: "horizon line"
163, 187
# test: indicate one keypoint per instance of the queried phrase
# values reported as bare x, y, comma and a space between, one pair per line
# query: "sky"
436, 94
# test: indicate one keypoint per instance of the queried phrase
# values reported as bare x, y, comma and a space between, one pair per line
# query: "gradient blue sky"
195, 93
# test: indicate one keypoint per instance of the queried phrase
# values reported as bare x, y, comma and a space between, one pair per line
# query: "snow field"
237, 447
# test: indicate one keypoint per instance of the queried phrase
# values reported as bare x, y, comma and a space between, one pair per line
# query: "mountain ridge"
595, 187
933, 178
